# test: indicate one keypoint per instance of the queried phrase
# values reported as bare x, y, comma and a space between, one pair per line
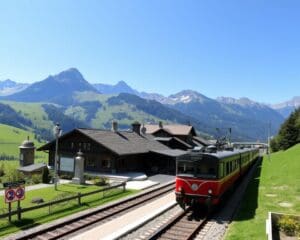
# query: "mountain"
8, 87
287, 107
79, 102
246, 119
120, 87
123, 87
56, 89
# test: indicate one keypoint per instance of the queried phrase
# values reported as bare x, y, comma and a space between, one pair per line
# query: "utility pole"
57, 132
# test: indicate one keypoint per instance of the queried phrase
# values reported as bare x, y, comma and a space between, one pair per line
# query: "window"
185, 168
206, 169
221, 170
90, 163
227, 168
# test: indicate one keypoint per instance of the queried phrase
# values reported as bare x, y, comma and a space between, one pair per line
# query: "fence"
20, 210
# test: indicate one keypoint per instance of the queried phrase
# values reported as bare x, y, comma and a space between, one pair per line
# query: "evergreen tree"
289, 133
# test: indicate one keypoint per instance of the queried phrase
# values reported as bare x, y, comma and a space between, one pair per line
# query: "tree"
289, 133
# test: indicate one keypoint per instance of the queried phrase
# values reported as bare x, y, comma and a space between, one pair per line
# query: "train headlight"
180, 189
209, 191
194, 187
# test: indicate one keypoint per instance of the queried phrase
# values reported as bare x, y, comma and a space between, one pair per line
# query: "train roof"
217, 155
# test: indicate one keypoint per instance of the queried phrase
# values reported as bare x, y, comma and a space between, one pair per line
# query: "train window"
221, 170
206, 169
185, 168
227, 168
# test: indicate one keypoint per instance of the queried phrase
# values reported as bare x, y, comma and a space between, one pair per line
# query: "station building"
113, 151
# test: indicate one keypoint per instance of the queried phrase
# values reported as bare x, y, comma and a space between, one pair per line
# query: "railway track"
184, 226
57, 231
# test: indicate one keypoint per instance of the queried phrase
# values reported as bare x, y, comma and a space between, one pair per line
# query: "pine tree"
289, 133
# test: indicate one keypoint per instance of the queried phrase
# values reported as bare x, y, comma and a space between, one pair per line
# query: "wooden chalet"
175, 136
113, 151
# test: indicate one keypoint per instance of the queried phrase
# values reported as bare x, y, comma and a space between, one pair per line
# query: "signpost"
14, 191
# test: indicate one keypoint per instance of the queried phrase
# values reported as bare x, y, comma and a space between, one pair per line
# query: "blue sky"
219, 48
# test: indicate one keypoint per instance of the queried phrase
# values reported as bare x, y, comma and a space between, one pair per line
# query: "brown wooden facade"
100, 159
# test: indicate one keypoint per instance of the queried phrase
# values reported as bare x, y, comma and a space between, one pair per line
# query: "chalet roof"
174, 129
168, 139
201, 140
32, 167
170, 152
119, 142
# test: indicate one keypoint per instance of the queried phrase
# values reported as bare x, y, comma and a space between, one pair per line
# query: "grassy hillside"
33, 111
11, 138
275, 187
124, 113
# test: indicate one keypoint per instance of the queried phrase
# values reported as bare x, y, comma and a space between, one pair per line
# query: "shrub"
100, 181
36, 178
1, 170
13, 175
289, 225
68, 176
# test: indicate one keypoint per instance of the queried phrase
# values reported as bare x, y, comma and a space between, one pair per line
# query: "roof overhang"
170, 152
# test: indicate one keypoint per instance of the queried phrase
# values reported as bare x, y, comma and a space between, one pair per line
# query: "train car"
204, 178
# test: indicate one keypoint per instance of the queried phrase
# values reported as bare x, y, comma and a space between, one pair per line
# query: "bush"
1, 170
13, 175
289, 225
68, 176
36, 178
89, 177
100, 181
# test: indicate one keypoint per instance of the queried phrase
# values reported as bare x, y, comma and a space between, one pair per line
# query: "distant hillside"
74, 100
56, 89
10, 140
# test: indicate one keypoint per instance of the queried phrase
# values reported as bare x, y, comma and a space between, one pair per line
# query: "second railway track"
184, 226
99, 216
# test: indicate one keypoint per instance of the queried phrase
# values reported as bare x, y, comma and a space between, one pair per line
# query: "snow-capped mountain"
8, 87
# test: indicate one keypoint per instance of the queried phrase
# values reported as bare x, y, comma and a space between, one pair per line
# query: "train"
203, 178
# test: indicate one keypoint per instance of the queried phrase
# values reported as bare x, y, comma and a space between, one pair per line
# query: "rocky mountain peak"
187, 96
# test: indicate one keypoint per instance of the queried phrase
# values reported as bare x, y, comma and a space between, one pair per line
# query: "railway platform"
129, 221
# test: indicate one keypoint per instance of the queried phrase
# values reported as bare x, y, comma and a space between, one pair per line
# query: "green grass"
275, 182
11, 138
33, 111
39, 216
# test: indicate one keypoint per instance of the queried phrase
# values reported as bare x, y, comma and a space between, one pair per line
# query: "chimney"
160, 124
143, 130
114, 126
136, 127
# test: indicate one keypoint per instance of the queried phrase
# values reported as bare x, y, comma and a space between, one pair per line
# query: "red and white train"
204, 178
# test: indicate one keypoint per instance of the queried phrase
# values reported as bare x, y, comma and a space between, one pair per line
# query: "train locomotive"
202, 178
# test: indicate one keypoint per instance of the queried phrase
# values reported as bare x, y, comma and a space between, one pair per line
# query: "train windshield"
202, 168
186, 168
206, 169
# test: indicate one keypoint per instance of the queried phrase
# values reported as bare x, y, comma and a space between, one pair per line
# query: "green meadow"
275, 187
11, 138
46, 214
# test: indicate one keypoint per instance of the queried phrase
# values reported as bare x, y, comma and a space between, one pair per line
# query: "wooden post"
124, 186
79, 198
9, 211
19, 210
